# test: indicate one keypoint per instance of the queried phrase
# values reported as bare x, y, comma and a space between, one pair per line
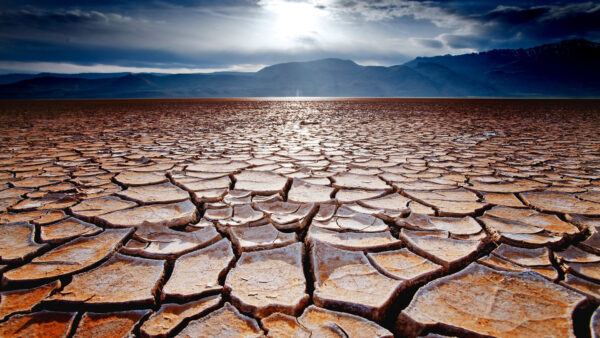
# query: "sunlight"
295, 20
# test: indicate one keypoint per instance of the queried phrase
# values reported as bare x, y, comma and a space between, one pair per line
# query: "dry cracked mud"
303, 218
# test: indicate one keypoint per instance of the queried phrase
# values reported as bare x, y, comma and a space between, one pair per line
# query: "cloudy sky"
72, 36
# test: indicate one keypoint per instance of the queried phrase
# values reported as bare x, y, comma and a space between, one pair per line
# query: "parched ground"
347, 218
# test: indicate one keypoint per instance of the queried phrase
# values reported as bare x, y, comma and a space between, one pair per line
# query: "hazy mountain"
569, 68
11, 78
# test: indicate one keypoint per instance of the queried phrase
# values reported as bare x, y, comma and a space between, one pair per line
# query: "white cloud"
70, 68
390, 9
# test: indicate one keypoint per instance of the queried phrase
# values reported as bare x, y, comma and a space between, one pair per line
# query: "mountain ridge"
570, 68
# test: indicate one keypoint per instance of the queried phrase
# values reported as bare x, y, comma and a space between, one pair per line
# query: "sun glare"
295, 20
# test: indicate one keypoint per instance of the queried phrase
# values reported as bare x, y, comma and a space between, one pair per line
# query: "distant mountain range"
570, 68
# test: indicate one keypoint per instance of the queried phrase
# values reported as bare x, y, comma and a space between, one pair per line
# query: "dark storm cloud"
53, 20
124, 4
513, 27
490, 24
430, 43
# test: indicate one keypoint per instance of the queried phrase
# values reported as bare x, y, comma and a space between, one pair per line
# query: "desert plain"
300, 218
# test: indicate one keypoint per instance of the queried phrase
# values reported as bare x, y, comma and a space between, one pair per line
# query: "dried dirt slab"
47, 202
165, 243
132, 179
269, 281
447, 252
524, 257
470, 301
261, 182
217, 214
561, 203
280, 325
518, 233
533, 218
156, 193
585, 287
573, 254
355, 208
404, 265
354, 195
39, 324
238, 197
497, 263
224, 322
17, 242
112, 324
69, 258
6, 203
392, 202
592, 243
195, 184
240, 215
522, 186
506, 200
580, 263
18, 301
169, 317
27, 216
92, 181
593, 196
286, 215
49, 216
259, 238
13, 193
218, 166
356, 181
590, 271
199, 272
154, 167
90, 208
346, 280
122, 280
353, 240
421, 185
453, 203
458, 226
35, 182
319, 322
357, 222
67, 229
537, 260
326, 212
303, 192
168, 215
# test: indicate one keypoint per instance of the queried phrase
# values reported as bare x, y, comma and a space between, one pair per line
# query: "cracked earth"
355, 218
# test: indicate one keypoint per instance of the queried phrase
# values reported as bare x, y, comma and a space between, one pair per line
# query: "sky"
191, 36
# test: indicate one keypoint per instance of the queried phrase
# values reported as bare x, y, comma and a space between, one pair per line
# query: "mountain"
11, 78
570, 68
